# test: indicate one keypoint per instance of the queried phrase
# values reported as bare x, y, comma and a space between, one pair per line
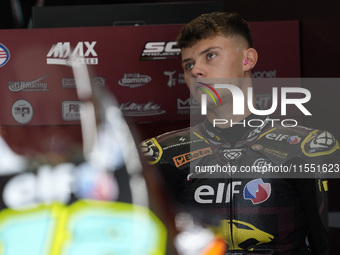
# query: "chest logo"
190, 156
231, 154
257, 191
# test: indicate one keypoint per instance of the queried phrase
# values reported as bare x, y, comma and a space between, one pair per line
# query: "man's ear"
250, 59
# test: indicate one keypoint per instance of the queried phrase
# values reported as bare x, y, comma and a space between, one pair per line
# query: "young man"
253, 215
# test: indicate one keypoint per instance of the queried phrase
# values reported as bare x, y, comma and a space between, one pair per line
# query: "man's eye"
211, 55
189, 66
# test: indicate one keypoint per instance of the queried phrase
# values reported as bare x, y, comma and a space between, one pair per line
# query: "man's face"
215, 57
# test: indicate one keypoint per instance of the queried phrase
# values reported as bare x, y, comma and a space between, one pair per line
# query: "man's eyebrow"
201, 53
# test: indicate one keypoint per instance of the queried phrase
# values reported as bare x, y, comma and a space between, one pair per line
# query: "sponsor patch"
257, 191
190, 156
151, 150
319, 143
257, 147
22, 111
294, 139
277, 137
277, 153
262, 162
231, 154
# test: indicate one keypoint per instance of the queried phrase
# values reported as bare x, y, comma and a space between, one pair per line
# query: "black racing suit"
255, 215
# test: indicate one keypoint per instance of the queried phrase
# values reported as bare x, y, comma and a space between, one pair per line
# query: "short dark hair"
215, 23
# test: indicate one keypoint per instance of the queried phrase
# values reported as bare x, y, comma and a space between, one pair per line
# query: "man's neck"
224, 117
226, 112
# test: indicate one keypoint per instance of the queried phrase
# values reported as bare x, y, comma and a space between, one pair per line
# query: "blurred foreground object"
91, 195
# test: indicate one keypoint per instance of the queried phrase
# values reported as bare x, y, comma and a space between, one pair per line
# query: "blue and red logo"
294, 139
4, 55
94, 184
257, 191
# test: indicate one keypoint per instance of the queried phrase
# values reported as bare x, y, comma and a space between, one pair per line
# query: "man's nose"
197, 71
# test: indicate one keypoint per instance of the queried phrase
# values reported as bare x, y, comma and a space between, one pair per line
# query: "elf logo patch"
257, 191
294, 139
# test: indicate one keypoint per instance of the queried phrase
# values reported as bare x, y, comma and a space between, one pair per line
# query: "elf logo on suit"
257, 191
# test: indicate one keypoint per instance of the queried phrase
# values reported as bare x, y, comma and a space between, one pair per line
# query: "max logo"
83, 53
187, 157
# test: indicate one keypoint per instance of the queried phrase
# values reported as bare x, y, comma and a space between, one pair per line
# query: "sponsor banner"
71, 82
139, 65
35, 85
134, 80
83, 53
160, 51
141, 109
256, 191
71, 110
22, 111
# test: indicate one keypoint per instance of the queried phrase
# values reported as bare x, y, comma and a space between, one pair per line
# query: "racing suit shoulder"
320, 143
175, 148
284, 143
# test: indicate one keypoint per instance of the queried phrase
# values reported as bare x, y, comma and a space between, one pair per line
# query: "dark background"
320, 45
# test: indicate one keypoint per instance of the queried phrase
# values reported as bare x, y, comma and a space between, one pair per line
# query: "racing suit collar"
234, 134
